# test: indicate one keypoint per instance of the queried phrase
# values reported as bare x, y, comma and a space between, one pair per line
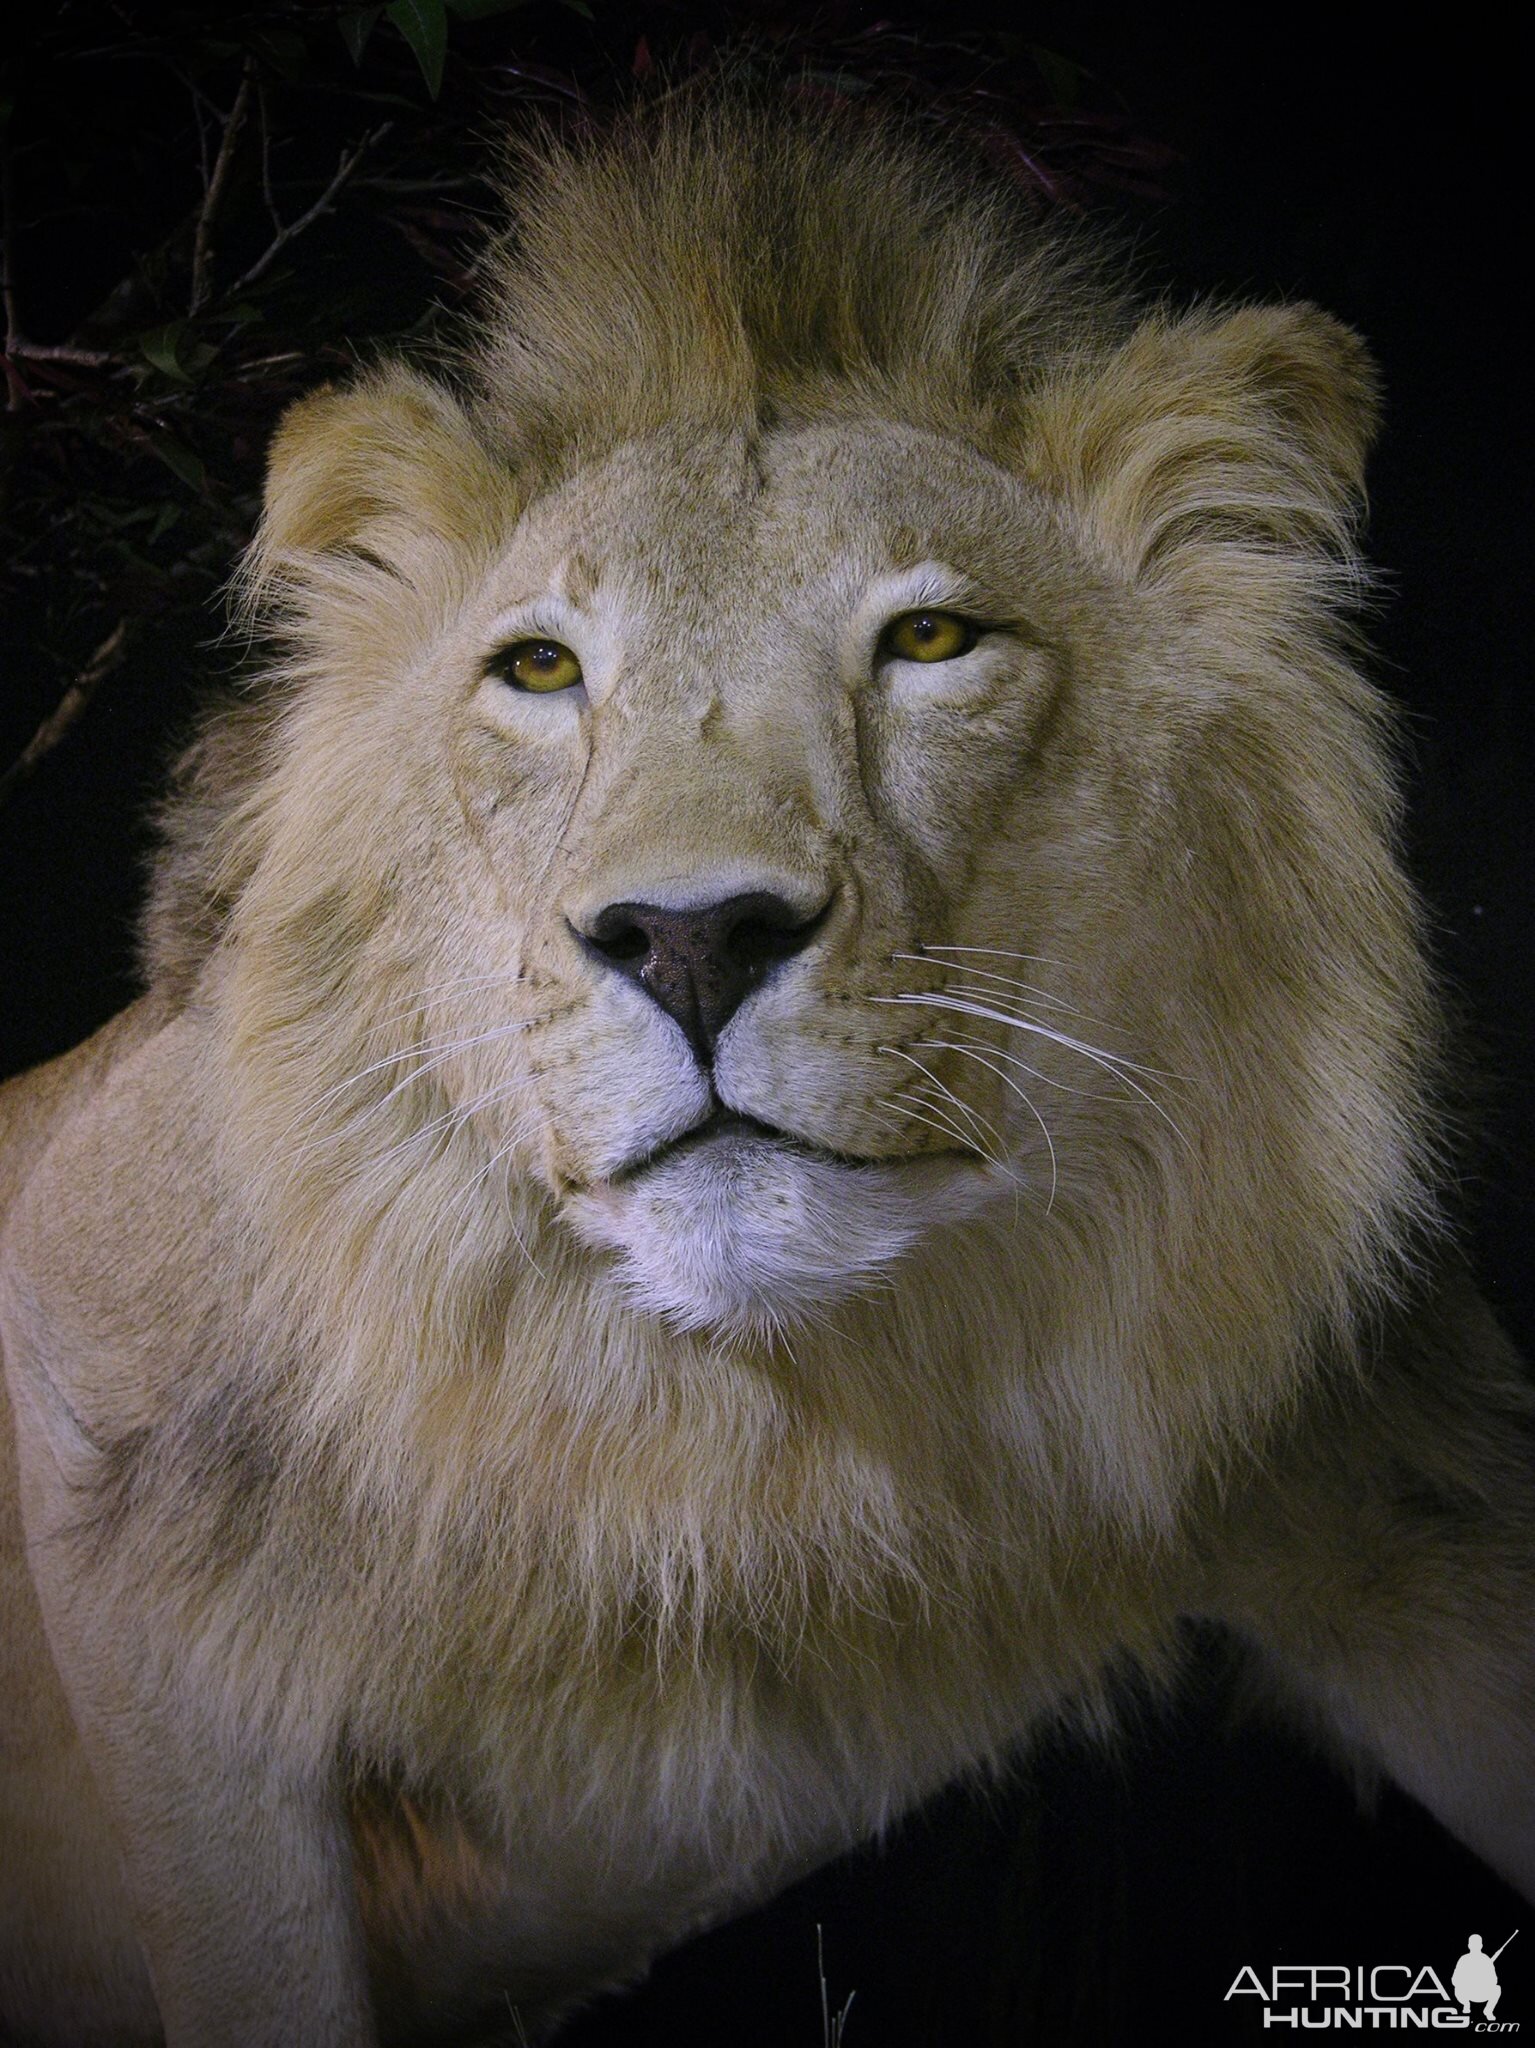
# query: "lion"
786, 1109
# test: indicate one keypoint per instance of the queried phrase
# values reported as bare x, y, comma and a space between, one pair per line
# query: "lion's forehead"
769, 526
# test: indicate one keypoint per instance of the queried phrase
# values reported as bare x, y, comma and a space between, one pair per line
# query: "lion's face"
1057, 994
743, 732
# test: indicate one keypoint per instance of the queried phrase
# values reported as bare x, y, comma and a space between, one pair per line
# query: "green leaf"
113, 518
356, 25
162, 348
174, 352
424, 25
177, 456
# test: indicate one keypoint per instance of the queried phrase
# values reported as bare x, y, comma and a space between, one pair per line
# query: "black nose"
701, 965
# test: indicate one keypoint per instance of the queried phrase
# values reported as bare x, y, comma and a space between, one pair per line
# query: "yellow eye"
928, 636
540, 665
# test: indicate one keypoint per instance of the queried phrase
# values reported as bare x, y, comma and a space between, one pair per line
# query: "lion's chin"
749, 1237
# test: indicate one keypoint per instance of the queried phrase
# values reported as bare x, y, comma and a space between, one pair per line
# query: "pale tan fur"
472, 1560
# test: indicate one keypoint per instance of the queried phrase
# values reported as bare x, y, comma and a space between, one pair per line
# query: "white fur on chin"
749, 1237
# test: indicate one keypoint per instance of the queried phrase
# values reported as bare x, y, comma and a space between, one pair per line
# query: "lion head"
816, 816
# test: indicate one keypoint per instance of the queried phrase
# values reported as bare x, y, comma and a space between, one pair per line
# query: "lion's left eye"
928, 636
539, 665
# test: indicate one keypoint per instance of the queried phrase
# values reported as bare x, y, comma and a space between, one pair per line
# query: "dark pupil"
544, 655
925, 626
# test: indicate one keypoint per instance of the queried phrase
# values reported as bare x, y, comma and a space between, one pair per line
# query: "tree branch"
344, 170
202, 246
70, 708
266, 162
59, 352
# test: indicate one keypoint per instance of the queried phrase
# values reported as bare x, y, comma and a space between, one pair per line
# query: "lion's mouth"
722, 1122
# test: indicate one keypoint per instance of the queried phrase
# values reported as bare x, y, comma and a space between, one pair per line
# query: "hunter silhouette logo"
1475, 1978
1356, 1996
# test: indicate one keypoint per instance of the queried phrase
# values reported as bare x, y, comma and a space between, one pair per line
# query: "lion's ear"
1212, 435
380, 469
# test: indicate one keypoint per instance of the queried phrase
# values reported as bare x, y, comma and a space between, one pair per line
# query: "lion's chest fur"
561, 1782
580, 1725
734, 1666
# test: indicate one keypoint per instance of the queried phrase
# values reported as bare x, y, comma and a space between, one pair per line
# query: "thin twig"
200, 109
202, 247
70, 708
323, 204
439, 181
59, 352
283, 355
16, 397
16, 343
7, 242
266, 162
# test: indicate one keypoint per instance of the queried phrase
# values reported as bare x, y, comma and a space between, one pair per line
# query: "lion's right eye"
929, 636
539, 665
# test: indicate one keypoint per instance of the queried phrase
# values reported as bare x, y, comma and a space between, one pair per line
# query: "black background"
1381, 172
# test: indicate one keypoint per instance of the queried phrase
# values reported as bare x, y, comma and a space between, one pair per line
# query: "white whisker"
453, 1119
1019, 1010
954, 1001
455, 1200
437, 992
963, 1107
923, 1094
961, 1043
439, 1051
1054, 1002
895, 1102
449, 1052
994, 952
968, 1052
945, 1129
992, 1157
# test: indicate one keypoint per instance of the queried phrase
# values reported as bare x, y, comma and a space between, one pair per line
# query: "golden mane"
733, 267
731, 264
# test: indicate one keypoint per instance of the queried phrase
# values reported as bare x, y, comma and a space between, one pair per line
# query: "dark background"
1383, 174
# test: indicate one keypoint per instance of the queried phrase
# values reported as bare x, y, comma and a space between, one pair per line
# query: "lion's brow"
580, 575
